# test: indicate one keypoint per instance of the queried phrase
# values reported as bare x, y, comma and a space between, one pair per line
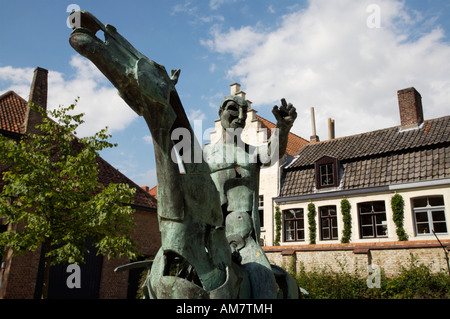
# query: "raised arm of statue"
276, 147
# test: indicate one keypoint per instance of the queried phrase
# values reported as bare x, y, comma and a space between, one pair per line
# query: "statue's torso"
236, 175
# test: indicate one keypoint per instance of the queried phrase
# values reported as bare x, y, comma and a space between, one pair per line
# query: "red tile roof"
12, 112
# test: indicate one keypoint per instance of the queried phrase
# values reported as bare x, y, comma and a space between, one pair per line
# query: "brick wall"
410, 106
38, 95
148, 238
20, 275
351, 258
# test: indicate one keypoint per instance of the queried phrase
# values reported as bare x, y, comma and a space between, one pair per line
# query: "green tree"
52, 195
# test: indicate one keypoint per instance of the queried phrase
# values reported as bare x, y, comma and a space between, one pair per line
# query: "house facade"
20, 276
366, 171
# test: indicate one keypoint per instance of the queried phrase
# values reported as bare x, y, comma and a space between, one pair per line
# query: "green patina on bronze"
208, 217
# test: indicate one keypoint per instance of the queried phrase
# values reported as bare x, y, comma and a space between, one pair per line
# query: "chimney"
410, 106
314, 137
38, 95
330, 129
235, 89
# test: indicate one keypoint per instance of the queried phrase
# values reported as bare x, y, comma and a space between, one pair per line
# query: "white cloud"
98, 99
196, 115
325, 56
216, 4
147, 139
192, 10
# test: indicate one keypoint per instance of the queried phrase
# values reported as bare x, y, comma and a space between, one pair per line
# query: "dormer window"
326, 172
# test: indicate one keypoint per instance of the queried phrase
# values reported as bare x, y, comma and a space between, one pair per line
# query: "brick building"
368, 169
20, 276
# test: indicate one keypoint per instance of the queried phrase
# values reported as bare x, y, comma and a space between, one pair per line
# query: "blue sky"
319, 53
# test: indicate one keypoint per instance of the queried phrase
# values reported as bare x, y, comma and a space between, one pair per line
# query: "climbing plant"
312, 223
397, 205
347, 218
277, 226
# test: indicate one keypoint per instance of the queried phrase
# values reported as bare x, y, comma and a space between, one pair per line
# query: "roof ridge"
377, 142
374, 131
11, 92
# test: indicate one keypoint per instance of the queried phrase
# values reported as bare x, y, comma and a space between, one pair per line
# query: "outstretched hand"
285, 114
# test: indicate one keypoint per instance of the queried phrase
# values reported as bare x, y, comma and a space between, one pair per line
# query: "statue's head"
233, 112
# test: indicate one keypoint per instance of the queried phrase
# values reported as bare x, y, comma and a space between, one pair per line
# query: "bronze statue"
210, 249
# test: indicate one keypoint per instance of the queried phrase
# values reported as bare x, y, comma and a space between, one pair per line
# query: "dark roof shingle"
378, 158
384, 141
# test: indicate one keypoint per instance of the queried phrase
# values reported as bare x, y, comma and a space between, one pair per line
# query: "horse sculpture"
206, 250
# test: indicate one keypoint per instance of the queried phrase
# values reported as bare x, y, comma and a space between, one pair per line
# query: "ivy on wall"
347, 219
397, 205
312, 223
277, 226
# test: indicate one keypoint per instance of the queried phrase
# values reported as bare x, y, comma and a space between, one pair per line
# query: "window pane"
420, 202
438, 215
325, 233
335, 233
288, 215
261, 218
436, 200
289, 225
261, 200
326, 174
440, 227
332, 210
379, 206
367, 231
423, 228
300, 234
421, 217
382, 230
366, 220
365, 207
380, 218
289, 235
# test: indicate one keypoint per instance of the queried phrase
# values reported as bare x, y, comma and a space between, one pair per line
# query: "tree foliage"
347, 219
312, 223
397, 205
52, 194
277, 226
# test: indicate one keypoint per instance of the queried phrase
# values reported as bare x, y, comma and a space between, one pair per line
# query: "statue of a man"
235, 169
